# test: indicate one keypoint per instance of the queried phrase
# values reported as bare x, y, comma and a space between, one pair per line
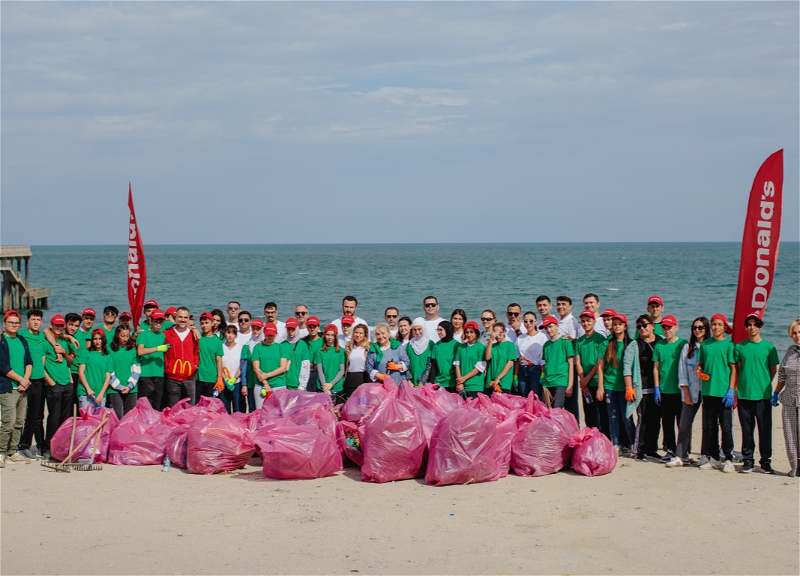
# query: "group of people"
635, 388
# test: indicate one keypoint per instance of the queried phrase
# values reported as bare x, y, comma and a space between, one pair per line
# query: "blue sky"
291, 122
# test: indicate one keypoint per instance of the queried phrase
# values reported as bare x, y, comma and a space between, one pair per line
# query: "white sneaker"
728, 466
18, 458
2, 461
674, 462
704, 463
716, 464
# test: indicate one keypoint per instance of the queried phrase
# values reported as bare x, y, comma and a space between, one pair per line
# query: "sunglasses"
512, 313
430, 304
244, 319
529, 321
233, 307
487, 319
391, 315
701, 327
642, 326
300, 313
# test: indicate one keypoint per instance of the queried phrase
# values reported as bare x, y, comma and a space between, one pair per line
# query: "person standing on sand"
655, 308
432, 319
356, 353
469, 363
648, 411
301, 315
233, 312
391, 316
34, 418
244, 321
787, 392
529, 351
181, 359
591, 302
209, 350
559, 362
666, 362
299, 357
59, 384
330, 361
127, 370
270, 363
16, 366
544, 307
588, 349
151, 347
612, 383
349, 307
514, 325
314, 342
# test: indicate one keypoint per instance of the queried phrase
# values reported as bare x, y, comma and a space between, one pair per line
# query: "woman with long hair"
94, 371
330, 361
787, 392
356, 352
611, 385
219, 323
488, 320
403, 331
126, 366
458, 318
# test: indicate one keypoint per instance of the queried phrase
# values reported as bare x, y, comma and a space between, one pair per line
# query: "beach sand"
640, 519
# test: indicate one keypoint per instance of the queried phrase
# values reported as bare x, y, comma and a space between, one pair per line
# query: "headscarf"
375, 348
447, 326
419, 344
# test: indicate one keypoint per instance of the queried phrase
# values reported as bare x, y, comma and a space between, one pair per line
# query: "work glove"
729, 398
163, 348
701, 375
218, 387
230, 383
630, 394
380, 377
658, 395
393, 367
774, 399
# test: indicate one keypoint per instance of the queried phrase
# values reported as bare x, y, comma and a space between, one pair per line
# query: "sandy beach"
640, 519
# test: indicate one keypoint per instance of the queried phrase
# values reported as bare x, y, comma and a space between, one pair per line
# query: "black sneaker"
767, 469
668, 456
640, 458
655, 457
747, 467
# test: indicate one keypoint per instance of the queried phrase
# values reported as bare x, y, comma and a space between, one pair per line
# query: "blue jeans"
528, 380
313, 378
616, 403
233, 399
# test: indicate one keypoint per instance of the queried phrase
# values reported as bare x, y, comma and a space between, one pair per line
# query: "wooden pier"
17, 295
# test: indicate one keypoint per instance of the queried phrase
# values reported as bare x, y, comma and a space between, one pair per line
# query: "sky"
301, 122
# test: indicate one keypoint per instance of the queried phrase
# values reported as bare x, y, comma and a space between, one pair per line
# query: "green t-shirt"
755, 359
122, 360
716, 356
502, 353
418, 363
468, 357
153, 363
331, 362
668, 356
58, 371
444, 353
98, 365
590, 349
82, 337
313, 347
16, 353
109, 336
297, 353
556, 368
269, 358
210, 349
612, 375
247, 354
36, 348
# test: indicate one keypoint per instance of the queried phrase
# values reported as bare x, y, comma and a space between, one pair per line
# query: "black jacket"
6, 384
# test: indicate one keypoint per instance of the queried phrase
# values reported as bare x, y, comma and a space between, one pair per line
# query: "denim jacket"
687, 372
5, 363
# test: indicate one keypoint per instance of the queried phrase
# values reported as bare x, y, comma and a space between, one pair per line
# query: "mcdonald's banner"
137, 271
760, 242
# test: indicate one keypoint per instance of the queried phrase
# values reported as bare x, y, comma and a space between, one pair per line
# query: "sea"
694, 279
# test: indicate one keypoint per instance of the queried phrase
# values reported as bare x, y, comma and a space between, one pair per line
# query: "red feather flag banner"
137, 271
760, 242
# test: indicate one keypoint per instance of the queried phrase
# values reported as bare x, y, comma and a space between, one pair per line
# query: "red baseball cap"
669, 320
270, 329
171, 311
157, 314
656, 299
587, 312
348, 319
621, 317
728, 328
151, 304
207, 315
547, 320
608, 312
98, 331
57, 319
11, 313
472, 324
312, 321
292, 323
754, 315
126, 315
257, 323
88, 312
331, 328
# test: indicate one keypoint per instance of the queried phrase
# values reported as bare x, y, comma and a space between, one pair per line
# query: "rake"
66, 465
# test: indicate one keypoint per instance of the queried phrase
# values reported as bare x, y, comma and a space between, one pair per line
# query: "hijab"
419, 344
447, 326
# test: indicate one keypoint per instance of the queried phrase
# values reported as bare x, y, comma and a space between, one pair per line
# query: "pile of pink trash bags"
392, 432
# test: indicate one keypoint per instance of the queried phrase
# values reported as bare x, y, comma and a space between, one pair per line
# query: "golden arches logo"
182, 368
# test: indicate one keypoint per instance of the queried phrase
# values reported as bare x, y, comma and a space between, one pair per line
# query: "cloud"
419, 96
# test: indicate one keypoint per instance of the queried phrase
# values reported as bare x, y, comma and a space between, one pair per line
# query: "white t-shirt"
303, 332
459, 337
338, 323
570, 326
243, 339
281, 335
430, 329
511, 335
529, 348
600, 327
232, 358
183, 335
357, 361
393, 332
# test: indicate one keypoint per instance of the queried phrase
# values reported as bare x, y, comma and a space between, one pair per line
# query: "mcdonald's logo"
182, 368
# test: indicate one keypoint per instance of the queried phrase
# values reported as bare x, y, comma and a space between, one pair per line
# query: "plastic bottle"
166, 464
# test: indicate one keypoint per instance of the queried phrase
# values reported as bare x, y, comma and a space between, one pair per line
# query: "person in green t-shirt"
314, 343
717, 364
209, 371
59, 382
588, 350
469, 363
655, 308
611, 384
558, 357
757, 362
330, 361
500, 357
419, 349
94, 371
666, 361
150, 346
16, 365
299, 357
270, 363
36, 393
443, 355
125, 381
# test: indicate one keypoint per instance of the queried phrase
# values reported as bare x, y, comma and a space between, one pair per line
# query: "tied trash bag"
88, 420
593, 454
393, 441
541, 445
249, 420
177, 443
432, 405
140, 438
205, 406
366, 398
349, 441
320, 417
217, 443
469, 446
285, 403
292, 451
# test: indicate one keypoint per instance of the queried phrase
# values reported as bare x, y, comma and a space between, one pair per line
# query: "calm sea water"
694, 279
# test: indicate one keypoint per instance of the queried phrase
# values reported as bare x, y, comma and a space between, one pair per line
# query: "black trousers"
200, 389
352, 381
752, 414
716, 416
34, 418
122, 403
560, 397
648, 426
684, 444
59, 409
177, 390
671, 407
595, 413
152, 388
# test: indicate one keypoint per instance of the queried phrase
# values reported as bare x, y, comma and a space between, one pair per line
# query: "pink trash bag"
593, 453
393, 440
88, 420
349, 441
432, 405
541, 446
205, 406
217, 443
469, 446
366, 398
292, 451
177, 441
249, 420
320, 417
285, 403
140, 438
